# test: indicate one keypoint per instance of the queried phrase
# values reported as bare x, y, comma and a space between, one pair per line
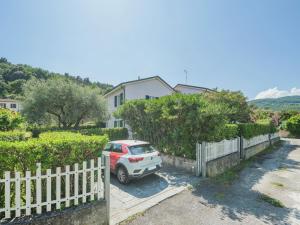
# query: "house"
147, 88
10, 104
190, 89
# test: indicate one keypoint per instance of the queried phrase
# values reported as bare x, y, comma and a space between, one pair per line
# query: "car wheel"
122, 175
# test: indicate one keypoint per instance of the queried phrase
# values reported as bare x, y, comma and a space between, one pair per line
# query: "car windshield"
141, 149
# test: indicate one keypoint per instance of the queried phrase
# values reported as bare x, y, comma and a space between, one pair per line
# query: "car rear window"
141, 149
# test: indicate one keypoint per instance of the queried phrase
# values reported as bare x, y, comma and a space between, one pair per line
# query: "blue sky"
250, 46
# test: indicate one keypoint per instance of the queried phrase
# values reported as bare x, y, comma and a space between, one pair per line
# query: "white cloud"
276, 93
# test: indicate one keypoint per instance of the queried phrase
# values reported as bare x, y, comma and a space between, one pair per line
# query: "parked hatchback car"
130, 159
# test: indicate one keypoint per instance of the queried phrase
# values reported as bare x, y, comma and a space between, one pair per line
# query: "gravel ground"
276, 174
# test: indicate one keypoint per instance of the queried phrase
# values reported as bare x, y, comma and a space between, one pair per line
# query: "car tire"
122, 175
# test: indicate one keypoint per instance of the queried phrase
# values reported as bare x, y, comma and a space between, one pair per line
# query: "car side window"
108, 147
117, 148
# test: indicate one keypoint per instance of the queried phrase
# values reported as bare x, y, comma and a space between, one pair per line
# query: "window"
116, 101
13, 105
121, 123
121, 99
141, 149
2, 105
115, 123
147, 97
117, 148
108, 147
150, 97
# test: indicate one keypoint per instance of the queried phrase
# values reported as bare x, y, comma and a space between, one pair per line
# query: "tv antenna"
186, 76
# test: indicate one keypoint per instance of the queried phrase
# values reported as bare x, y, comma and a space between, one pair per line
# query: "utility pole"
186, 76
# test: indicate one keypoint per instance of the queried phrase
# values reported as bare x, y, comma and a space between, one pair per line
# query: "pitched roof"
140, 80
192, 86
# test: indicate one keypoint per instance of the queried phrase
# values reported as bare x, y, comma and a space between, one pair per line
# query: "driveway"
139, 195
276, 174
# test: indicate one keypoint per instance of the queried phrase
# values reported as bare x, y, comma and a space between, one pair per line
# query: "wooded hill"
14, 76
278, 104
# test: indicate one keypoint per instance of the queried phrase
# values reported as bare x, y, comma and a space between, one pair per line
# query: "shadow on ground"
240, 198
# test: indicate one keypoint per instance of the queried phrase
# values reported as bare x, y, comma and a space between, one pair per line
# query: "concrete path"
140, 195
213, 203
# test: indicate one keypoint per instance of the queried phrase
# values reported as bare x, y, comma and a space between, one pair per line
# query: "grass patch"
277, 184
132, 218
272, 201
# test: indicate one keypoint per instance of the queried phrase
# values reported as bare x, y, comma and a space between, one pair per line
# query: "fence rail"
43, 190
247, 143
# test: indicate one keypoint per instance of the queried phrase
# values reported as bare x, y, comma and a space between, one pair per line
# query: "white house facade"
10, 104
152, 87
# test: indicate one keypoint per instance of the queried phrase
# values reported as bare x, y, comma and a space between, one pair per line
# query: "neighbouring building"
11, 104
146, 88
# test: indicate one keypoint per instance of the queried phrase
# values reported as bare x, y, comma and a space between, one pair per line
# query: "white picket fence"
208, 151
37, 192
247, 143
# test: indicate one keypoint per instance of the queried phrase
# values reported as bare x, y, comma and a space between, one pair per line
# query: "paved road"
140, 195
276, 174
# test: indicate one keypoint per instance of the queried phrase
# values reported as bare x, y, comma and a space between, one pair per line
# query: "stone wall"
187, 165
88, 214
220, 165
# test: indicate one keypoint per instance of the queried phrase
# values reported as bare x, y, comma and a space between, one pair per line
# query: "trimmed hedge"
52, 149
14, 135
249, 130
112, 133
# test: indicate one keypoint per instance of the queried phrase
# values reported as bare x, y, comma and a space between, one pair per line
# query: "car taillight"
135, 160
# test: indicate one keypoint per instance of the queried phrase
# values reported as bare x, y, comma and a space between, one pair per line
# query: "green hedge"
14, 135
293, 125
112, 133
52, 149
249, 130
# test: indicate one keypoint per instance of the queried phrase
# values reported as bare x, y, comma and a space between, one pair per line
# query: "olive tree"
65, 101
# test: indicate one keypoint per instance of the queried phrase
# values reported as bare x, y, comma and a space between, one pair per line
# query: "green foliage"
13, 78
112, 133
175, 123
14, 135
10, 120
52, 149
293, 125
272, 201
66, 102
249, 130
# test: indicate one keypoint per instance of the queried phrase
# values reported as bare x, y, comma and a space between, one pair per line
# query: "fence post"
239, 146
107, 185
7, 194
38, 189
203, 158
198, 159
28, 193
242, 155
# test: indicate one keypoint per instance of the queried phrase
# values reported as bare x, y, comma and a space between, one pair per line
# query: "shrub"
52, 149
112, 133
293, 125
175, 123
10, 120
249, 130
14, 135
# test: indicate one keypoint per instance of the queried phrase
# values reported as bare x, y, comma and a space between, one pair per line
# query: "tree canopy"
64, 101
13, 78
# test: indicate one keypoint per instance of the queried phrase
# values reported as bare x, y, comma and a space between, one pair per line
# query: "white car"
131, 159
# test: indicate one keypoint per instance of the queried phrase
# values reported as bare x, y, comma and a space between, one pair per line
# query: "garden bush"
175, 123
112, 133
14, 135
52, 149
293, 125
10, 120
249, 130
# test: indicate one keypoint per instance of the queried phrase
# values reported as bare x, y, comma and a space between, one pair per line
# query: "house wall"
137, 90
8, 105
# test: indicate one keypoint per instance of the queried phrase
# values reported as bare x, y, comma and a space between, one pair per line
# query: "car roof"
130, 142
